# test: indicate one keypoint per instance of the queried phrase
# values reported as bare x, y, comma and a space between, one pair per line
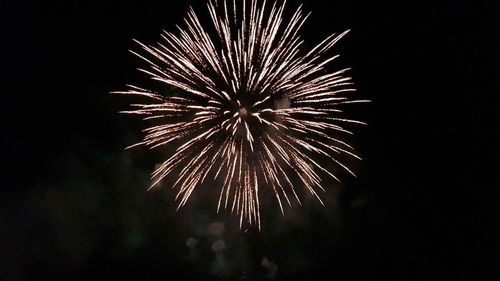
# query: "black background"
74, 206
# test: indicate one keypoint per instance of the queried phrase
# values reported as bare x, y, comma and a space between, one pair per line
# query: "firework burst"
257, 111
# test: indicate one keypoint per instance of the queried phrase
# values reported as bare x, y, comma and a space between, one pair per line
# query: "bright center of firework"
243, 112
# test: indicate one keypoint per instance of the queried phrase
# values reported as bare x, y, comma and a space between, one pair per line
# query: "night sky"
73, 204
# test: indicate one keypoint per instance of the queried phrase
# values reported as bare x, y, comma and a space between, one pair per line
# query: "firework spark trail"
256, 110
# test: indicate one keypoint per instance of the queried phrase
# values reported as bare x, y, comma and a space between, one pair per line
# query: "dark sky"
73, 204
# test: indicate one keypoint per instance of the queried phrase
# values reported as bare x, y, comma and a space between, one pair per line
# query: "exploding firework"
257, 111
